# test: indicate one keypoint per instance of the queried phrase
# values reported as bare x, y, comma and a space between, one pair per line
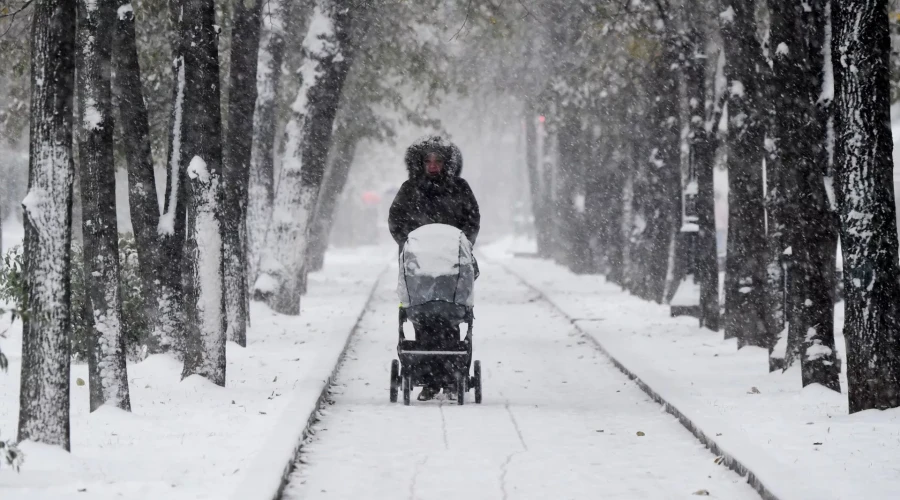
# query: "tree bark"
344, 151
261, 191
782, 108
241, 100
535, 183
704, 113
328, 56
204, 300
46, 326
807, 218
106, 344
664, 169
171, 228
142, 196
865, 196
745, 301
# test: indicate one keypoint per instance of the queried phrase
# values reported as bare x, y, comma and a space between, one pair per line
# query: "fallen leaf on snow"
702, 493
79, 381
641, 434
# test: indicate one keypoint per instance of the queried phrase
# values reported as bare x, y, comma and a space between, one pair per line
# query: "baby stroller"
437, 280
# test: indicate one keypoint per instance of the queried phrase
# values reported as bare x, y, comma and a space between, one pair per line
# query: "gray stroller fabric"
436, 265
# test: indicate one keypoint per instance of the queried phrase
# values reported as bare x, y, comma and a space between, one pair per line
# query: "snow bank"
191, 439
793, 443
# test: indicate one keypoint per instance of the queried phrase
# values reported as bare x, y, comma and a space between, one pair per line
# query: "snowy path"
558, 420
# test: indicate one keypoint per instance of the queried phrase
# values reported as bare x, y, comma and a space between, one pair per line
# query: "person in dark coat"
434, 194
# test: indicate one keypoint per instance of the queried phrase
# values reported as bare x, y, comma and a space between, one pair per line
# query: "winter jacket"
444, 199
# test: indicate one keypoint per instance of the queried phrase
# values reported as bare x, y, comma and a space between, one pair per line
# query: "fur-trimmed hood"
415, 155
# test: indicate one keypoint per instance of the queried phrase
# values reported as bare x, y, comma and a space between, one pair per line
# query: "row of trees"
653, 95
352, 71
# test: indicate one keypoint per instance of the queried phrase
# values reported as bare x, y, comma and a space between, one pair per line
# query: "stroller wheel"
395, 380
407, 388
461, 386
476, 382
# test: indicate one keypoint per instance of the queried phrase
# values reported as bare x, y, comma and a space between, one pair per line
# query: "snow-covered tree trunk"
344, 151
261, 190
704, 112
664, 172
171, 230
46, 326
535, 183
327, 59
142, 196
204, 299
241, 101
782, 108
106, 344
806, 218
572, 248
745, 300
865, 197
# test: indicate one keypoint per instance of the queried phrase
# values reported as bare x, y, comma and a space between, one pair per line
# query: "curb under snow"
269, 472
729, 458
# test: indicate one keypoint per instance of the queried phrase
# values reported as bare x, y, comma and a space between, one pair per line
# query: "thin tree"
201, 160
106, 345
171, 230
865, 197
241, 101
327, 58
142, 196
745, 278
704, 113
46, 325
343, 153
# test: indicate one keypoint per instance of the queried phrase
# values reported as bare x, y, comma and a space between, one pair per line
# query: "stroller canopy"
436, 265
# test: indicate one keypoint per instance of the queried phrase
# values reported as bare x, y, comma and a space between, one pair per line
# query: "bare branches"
18, 11
466, 20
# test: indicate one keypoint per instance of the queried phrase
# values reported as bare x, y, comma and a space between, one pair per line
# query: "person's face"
434, 164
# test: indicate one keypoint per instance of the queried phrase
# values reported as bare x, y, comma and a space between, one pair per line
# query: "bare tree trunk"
745, 301
106, 344
328, 56
242, 98
46, 326
865, 195
204, 300
142, 195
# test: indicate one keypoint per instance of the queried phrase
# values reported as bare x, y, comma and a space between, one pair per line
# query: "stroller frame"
411, 370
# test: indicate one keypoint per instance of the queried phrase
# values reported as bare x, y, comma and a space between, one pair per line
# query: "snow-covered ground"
191, 439
800, 443
558, 420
